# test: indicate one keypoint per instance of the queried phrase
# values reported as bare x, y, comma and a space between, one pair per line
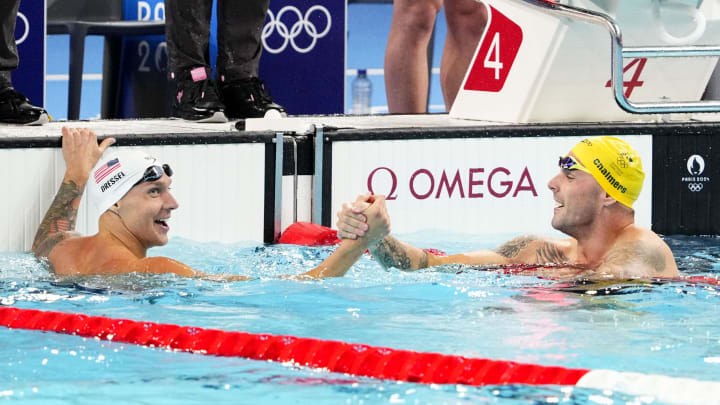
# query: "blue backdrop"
29, 78
303, 61
145, 91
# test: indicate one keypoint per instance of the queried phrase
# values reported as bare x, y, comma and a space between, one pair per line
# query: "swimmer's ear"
608, 201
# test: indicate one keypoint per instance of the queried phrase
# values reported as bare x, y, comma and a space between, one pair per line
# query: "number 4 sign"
497, 53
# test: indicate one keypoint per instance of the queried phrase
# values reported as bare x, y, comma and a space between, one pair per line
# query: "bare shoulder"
89, 255
641, 253
67, 254
537, 250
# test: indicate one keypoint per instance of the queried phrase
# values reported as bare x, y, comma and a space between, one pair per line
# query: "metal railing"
619, 52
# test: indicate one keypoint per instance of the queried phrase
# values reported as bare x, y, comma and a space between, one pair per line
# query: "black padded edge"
528, 130
203, 138
326, 216
269, 201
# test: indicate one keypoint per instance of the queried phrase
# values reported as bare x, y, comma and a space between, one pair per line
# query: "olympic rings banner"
302, 64
29, 78
303, 61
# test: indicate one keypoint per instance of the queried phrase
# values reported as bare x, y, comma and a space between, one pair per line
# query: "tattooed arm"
80, 151
520, 250
391, 252
394, 253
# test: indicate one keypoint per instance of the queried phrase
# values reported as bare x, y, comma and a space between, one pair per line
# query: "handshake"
364, 219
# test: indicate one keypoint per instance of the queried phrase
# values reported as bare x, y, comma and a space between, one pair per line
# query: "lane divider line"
358, 359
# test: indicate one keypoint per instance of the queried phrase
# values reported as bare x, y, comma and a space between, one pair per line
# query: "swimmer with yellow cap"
131, 190
599, 181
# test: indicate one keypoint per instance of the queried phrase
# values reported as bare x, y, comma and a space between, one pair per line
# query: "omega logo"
423, 183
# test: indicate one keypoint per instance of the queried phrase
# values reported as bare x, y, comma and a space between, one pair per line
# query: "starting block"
541, 61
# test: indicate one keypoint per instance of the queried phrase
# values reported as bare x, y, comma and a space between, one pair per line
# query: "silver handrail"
619, 52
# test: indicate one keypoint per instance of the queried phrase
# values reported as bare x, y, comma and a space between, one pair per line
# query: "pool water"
665, 328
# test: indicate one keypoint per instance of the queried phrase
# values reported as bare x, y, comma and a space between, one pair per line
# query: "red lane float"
341, 357
359, 359
308, 234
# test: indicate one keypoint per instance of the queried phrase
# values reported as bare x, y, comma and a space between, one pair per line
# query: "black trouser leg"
240, 24
8, 49
187, 30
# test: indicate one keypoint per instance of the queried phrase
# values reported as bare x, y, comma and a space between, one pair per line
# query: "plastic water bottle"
361, 92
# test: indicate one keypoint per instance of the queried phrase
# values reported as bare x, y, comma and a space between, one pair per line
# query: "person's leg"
406, 70
8, 50
465, 24
15, 108
187, 31
240, 25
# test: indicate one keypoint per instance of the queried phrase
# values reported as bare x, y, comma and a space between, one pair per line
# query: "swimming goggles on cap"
154, 173
568, 162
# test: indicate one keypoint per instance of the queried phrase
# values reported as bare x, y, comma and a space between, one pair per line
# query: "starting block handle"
619, 52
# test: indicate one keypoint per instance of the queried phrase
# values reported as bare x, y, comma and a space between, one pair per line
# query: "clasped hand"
365, 218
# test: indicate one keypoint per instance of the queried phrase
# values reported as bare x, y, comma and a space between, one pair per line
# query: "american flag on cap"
104, 170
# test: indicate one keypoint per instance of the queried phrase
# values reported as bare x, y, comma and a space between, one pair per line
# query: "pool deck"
299, 124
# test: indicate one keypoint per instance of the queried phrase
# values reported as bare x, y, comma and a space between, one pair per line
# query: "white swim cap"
115, 174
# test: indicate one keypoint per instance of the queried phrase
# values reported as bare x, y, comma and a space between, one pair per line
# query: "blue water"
669, 329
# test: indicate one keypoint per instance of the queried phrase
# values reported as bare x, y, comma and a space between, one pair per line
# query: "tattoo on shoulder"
43, 249
389, 254
550, 253
512, 247
637, 252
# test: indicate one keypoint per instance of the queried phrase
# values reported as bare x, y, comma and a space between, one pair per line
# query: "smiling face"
578, 200
145, 210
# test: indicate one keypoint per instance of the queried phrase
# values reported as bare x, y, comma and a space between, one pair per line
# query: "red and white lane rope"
358, 359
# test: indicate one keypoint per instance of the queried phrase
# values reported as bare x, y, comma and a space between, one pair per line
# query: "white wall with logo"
481, 185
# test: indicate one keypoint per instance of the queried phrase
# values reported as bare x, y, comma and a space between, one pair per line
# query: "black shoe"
247, 98
16, 109
196, 98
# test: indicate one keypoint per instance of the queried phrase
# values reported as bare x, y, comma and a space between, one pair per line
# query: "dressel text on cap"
112, 180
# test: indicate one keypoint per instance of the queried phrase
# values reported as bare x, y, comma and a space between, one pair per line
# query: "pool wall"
486, 178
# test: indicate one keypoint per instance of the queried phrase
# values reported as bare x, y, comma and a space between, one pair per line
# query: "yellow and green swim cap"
615, 165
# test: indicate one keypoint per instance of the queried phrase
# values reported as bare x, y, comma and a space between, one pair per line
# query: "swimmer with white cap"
594, 192
132, 191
